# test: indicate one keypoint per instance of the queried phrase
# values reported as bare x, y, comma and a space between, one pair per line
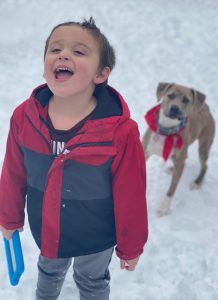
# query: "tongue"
63, 75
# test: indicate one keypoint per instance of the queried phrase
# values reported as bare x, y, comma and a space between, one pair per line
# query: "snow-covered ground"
155, 40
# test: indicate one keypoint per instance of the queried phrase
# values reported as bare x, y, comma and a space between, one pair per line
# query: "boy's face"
71, 63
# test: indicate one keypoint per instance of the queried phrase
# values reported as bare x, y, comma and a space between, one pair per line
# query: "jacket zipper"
87, 144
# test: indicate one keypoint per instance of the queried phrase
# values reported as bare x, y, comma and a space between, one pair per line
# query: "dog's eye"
172, 96
185, 100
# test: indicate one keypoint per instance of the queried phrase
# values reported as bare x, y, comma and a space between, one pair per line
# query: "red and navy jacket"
91, 196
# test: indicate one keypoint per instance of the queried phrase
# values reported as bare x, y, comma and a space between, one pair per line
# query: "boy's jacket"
90, 197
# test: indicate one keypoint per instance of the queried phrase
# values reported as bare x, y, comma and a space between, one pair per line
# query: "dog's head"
177, 101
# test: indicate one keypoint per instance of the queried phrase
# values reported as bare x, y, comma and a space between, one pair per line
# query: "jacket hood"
110, 112
110, 103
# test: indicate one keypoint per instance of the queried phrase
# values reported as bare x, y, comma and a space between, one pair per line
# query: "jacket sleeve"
129, 191
12, 183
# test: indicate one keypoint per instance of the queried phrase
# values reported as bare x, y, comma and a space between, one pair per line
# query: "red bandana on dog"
172, 139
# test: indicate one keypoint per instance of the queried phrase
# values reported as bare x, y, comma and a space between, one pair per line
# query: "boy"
74, 153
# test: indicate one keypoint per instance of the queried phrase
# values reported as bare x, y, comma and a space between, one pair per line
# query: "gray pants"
91, 275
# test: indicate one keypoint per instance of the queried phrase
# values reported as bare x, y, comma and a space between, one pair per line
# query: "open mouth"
175, 116
63, 73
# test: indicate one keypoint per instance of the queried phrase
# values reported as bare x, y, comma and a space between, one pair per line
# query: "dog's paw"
194, 186
164, 209
162, 212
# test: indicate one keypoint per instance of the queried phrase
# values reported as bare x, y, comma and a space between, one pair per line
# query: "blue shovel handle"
14, 257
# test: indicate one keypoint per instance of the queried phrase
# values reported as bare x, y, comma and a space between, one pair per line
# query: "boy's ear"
102, 76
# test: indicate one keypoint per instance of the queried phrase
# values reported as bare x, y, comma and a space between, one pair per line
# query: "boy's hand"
129, 264
7, 233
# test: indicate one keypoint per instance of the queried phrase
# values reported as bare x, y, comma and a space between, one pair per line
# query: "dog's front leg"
177, 173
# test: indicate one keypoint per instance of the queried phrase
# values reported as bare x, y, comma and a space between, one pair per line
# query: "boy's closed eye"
79, 52
55, 50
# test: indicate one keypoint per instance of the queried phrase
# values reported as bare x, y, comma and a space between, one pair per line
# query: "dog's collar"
151, 118
171, 130
173, 138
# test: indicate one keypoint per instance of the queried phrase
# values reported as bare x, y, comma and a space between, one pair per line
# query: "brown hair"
107, 54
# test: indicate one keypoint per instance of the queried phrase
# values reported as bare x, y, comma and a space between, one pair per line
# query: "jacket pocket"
84, 181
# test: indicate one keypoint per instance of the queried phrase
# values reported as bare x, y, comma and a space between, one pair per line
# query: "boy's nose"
63, 57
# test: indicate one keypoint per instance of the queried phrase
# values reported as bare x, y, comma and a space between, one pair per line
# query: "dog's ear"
162, 88
199, 98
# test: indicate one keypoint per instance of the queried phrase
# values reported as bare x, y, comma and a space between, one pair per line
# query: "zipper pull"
66, 151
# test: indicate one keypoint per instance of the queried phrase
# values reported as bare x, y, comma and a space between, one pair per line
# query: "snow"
155, 40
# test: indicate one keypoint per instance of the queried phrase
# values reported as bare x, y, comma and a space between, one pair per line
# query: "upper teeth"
63, 69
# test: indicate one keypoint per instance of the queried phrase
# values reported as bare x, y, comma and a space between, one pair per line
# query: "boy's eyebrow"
82, 44
77, 43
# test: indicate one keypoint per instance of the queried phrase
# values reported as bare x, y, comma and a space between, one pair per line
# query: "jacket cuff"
128, 256
11, 226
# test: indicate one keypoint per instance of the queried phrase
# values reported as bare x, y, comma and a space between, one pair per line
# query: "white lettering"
57, 147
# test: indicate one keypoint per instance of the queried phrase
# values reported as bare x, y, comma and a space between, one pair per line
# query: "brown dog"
181, 117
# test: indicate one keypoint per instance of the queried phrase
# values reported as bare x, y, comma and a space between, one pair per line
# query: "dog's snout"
174, 111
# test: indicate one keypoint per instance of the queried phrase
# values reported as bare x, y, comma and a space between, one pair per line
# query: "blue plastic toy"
14, 256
